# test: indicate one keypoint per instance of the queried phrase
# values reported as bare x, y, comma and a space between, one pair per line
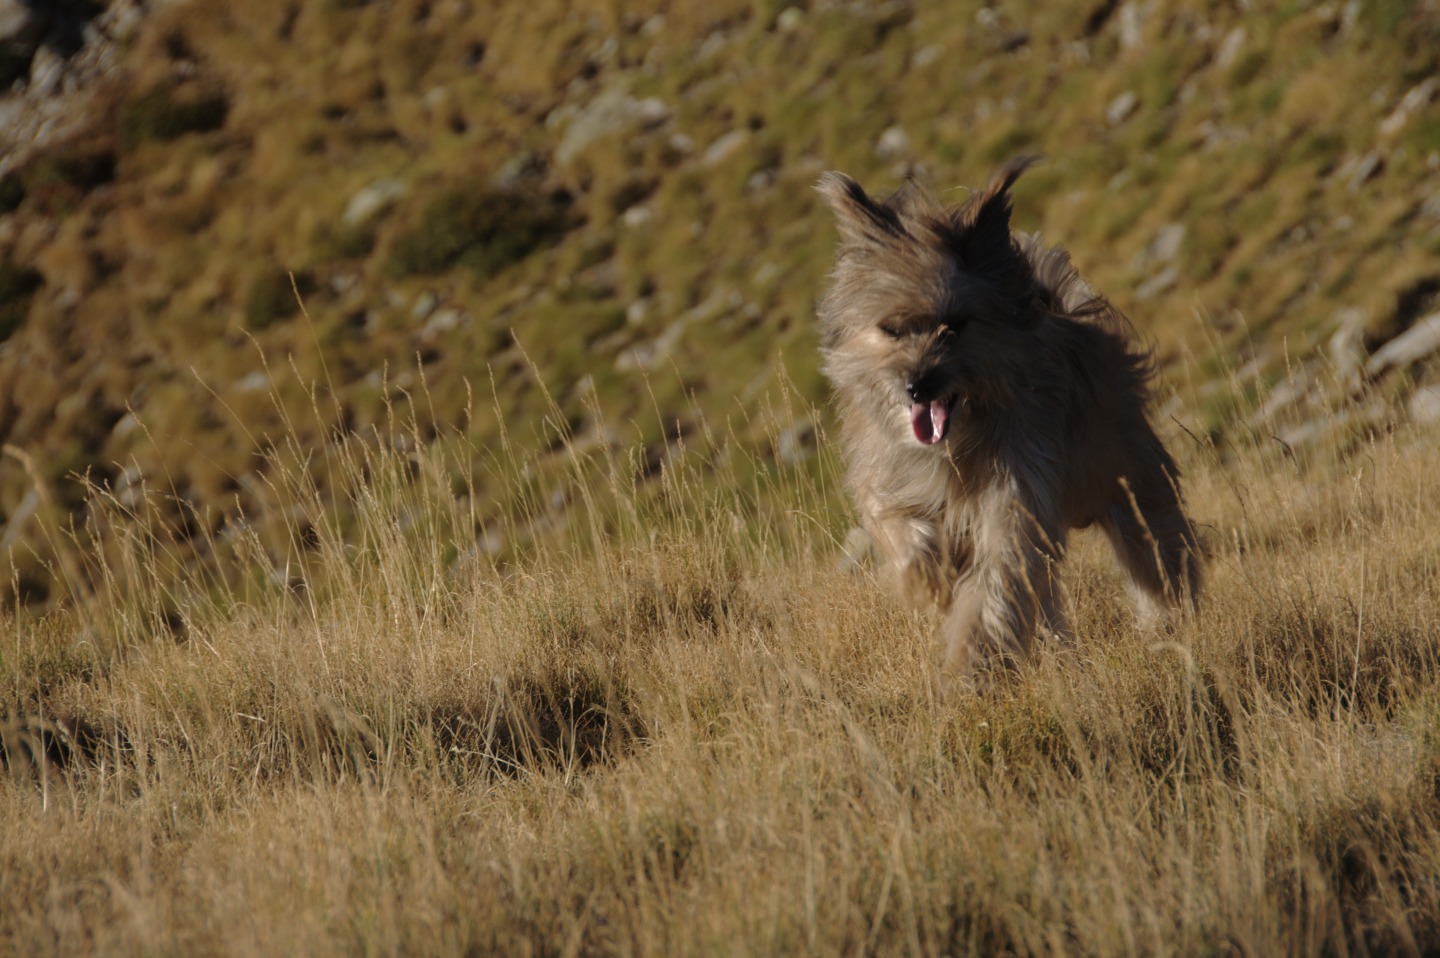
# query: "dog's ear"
984, 222
861, 219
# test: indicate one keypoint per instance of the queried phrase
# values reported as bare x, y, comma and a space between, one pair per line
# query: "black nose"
923, 388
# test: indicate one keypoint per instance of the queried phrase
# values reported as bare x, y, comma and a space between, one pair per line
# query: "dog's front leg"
915, 558
1009, 590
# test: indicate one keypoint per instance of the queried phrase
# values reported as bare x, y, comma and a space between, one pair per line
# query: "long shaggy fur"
991, 402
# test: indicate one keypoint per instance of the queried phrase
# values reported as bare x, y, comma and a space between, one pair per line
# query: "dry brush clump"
674, 726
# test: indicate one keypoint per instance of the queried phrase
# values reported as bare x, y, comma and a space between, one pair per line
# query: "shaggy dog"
990, 402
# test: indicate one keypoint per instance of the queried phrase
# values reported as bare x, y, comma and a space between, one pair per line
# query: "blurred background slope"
534, 229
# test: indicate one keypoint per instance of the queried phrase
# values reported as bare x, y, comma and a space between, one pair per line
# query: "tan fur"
1047, 426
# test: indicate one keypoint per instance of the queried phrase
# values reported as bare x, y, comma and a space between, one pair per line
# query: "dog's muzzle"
930, 410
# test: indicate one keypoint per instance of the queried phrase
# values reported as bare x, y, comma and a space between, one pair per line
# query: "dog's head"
931, 311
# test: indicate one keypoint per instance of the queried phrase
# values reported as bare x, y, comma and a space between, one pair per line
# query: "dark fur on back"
990, 402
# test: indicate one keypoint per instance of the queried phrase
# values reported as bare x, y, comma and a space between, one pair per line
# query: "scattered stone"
1331, 423
491, 540
789, 20
47, 72
1162, 249
1418, 342
724, 147
611, 113
1122, 107
1430, 209
893, 144
1132, 24
795, 443
605, 53
1230, 48
370, 201
521, 166
1418, 98
712, 45
442, 322
1157, 284
648, 355
125, 426
925, 56
1286, 396
759, 180
1347, 343
425, 304
129, 487
345, 283
255, 382
21, 28
1424, 405
637, 216
19, 516
1369, 167
49, 51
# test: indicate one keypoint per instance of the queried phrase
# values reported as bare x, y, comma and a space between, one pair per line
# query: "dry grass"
228, 147
673, 727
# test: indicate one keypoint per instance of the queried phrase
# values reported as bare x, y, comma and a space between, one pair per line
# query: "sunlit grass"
670, 724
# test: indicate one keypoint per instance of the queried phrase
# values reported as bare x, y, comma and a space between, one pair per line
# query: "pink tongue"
929, 421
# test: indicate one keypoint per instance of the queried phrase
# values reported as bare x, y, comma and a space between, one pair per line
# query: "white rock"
725, 146
1424, 405
1163, 248
28, 506
443, 321
790, 19
893, 144
1286, 395
1346, 345
1370, 166
925, 56
637, 216
759, 180
1157, 284
425, 304
1417, 99
1230, 48
1120, 109
47, 72
1132, 24
126, 425
256, 382
796, 442
372, 200
1416, 343
611, 113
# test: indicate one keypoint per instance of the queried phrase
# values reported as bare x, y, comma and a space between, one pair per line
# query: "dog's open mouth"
931, 420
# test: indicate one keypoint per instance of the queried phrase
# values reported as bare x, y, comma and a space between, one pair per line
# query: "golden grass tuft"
671, 725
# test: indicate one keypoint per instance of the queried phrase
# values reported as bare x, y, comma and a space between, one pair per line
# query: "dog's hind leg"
1156, 546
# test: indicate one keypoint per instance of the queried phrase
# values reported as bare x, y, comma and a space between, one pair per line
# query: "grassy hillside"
515, 214
697, 736
419, 531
